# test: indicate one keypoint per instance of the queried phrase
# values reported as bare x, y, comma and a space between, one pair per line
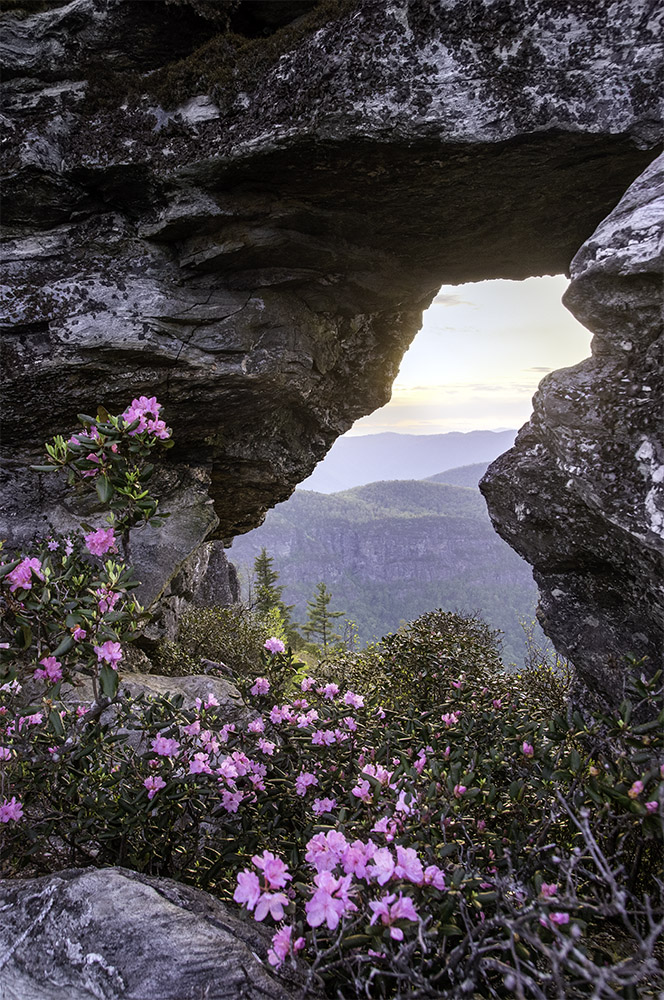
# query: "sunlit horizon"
478, 359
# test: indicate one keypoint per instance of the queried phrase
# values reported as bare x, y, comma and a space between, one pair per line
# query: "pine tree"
268, 594
320, 620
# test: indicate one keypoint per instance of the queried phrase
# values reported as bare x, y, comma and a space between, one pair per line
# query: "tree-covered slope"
390, 551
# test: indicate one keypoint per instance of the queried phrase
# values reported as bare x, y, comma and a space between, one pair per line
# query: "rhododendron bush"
464, 841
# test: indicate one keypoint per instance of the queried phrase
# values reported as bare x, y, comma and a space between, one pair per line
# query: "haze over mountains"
391, 550
354, 461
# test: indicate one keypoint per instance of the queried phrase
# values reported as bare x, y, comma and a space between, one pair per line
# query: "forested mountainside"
355, 461
390, 551
465, 475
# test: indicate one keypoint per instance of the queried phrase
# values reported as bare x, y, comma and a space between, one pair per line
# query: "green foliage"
320, 620
232, 636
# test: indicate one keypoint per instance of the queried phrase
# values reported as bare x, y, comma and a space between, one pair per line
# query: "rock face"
251, 232
581, 495
112, 934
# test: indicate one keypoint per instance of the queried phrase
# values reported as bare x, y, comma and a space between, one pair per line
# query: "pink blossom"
557, 919
363, 791
481, 825
256, 726
274, 869
248, 889
78, 633
227, 771
303, 781
356, 857
107, 599
325, 850
52, 545
81, 710
390, 909
323, 737
309, 682
636, 790
408, 865
5, 754
20, 577
380, 712
52, 669
193, 729
527, 749
457, 684
497, 703
146, 410
165, 747
200, 764
272, 903
459, 791
266, 747
378, 772
330, 691
451, 718
548, 889
281, 946
307, 719
101, 541
320, 806
434, 876
110, 652
382, 868
351, 723
11, 809
353, 700
231, 803
261, 686
405, 807
652, 807
330, 900
153, 784
274, 645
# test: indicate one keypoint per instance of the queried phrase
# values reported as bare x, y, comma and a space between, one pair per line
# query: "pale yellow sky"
476, 362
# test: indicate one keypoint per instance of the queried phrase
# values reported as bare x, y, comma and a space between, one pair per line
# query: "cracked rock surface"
112, 934
256, 248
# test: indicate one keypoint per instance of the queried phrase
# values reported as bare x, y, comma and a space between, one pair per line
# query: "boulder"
112, 934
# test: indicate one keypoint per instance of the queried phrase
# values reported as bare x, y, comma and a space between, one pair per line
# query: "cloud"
537, 370
447, 299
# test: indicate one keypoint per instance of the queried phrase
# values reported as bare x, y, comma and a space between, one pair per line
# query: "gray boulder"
111, 934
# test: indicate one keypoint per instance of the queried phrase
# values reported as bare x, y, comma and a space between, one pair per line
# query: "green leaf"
55, 722
109, 681
26, 633
44, 468
104, 489
102, 415
8, 567
64, 646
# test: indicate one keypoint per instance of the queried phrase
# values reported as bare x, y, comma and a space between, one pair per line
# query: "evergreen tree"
320, 620
268, 594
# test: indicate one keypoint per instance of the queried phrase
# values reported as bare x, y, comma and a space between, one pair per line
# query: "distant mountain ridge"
464, 475
391, 550
355, 461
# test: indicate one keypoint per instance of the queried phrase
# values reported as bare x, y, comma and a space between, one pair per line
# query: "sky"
476, 362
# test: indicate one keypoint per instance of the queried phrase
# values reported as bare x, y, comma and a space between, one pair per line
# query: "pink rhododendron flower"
309, 682
548, 889
153, 784
272, 903
325, 850
266, 747
434, 876
274, 869
52, 545
459, 791
362, 790
5, 753
81, 710
231, 802
353, 700
20, 577
107, 599
165, 747
557, 919
199, 764
146, 410
227, 771
78, 633
193, 729
497, 703
323, 738
382, 868
110, 652
351, 723
321, 806
636, 790
390, 909
527, 749
652, 807
101, 541
248, 889
52, 669
261, 686
303, 781
274, 645
256, 726
356, 857
11, 809
408, 865
330, 900
330, 691
281, 946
